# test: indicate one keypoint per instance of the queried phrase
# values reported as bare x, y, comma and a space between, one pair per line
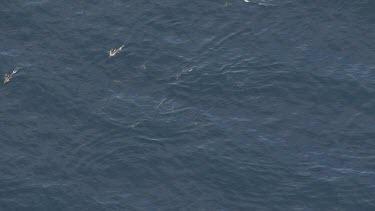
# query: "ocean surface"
212, 105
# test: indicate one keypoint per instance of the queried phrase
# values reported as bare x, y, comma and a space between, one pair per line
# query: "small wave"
266, 2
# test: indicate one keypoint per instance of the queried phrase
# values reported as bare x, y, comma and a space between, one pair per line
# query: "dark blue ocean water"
212, 105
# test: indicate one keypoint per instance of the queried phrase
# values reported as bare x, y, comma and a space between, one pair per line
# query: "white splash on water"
115, 51
7, 77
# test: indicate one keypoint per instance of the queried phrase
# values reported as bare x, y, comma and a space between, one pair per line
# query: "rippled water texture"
211, 105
